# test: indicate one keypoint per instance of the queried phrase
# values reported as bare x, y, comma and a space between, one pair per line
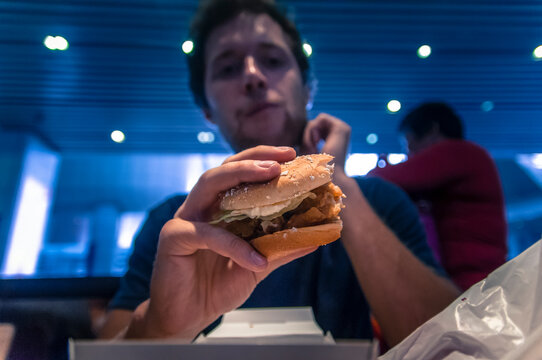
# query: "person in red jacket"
457, 183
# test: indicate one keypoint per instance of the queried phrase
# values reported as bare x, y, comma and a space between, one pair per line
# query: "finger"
316, 130
310, 138
264, 152
183, 238
214, 181
283, 260
234, 173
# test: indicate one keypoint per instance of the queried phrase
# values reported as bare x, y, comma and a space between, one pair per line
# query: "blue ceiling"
124, 69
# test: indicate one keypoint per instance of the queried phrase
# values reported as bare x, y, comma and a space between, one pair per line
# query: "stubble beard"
291, 135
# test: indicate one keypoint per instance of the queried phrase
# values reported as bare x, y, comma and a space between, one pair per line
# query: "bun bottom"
281, 243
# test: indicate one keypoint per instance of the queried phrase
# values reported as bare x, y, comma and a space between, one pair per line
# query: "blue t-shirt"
324, 279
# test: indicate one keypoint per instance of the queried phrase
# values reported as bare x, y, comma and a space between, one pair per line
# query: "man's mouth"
254, 110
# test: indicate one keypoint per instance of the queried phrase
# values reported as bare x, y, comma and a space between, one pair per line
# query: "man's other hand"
335, 134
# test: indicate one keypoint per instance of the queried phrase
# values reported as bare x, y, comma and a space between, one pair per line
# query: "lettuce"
266, 212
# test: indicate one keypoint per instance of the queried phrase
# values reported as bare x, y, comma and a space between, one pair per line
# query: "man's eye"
226, 70
273, 61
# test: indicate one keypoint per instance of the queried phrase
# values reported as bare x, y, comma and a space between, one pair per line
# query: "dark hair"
422, 119
213, 13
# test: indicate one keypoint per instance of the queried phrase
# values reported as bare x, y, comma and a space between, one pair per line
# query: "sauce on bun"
298, 209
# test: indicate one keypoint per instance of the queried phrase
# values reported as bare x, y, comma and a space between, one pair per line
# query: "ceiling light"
56, 43
50, 42
537, 53
372, 139
424, 51
487, 106
307, 49
206, 137
394, 106
118, 136
188, 46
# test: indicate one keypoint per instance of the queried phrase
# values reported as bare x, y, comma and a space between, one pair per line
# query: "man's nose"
254, 78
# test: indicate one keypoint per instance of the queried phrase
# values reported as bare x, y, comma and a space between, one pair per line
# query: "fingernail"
257, 259
284, 148
265, 164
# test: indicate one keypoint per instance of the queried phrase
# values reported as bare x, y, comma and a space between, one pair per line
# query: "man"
250, 78
458, 185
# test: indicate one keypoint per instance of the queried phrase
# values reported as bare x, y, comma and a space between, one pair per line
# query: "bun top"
297, 177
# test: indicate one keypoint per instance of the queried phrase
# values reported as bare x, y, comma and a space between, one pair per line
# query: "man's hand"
334, 132
202, 271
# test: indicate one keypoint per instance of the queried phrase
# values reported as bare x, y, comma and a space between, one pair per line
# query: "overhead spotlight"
188, 46
487, 106
56, 43
424, 51
537, 53
394, 106
206, 137
118, 136
50, 42
372, 139
307, 49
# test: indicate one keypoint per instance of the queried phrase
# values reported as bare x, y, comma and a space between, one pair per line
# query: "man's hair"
422, 120
213, 13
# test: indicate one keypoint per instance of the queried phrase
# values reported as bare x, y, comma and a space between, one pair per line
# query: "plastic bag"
493, 319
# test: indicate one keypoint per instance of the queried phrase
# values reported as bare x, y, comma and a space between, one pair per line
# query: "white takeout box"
275, 333
267, 326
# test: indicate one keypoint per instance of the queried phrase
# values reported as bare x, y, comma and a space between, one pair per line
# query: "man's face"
253, 84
